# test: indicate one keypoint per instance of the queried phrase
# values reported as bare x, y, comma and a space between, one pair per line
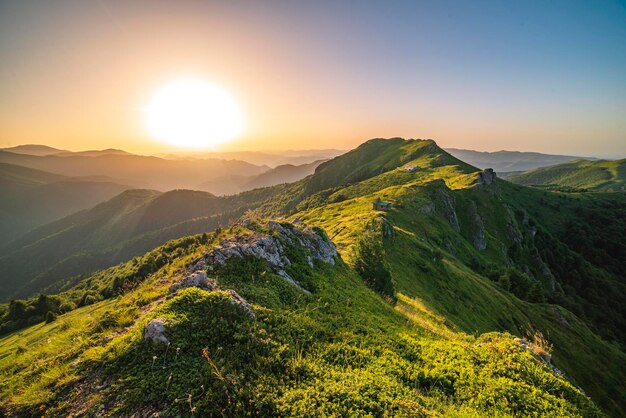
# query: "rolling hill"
33, 149
142, 171
609, 176
507, 161
56, 255
31, 198
286, 173
417, 314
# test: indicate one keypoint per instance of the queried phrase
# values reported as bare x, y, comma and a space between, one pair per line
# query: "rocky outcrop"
155, 331
272, 248
386, 228
486, 177
547, 277
237, 300
197, 279
523, 233
477, 228
539, 353
513, 231
445, 205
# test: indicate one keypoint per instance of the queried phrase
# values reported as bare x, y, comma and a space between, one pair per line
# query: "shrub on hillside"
370, 264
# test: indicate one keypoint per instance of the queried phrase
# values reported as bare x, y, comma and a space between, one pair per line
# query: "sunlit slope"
579, 174
342, 350
430, 252
377, 156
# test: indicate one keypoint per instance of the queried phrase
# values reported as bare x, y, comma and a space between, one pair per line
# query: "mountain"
506, 161
93, 153
579, 175
55, 255
286, 173
468, 296
272, 159
33, 149
143, 171
31, 198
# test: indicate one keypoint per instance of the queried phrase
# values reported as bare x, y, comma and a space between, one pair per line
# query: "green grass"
579, 175
341, 351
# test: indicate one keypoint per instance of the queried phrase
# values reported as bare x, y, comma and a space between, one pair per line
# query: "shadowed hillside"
31, 198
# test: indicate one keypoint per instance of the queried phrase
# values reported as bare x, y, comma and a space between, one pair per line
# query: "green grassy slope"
469, 299
579, 174
341, 351
466, 259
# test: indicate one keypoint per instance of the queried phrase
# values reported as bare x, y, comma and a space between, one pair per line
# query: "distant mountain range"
286, 173
33, 149
260, 158
506, 161
141, 171
501, 161
271, 159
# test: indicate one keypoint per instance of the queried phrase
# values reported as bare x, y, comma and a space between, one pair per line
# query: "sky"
547, 76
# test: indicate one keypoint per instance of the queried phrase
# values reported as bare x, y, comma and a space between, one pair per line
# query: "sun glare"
193, 113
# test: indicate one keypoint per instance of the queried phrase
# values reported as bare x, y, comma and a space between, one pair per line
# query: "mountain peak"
377, 156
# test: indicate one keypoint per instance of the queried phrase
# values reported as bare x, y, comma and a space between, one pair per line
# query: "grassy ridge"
609, 176
293, 359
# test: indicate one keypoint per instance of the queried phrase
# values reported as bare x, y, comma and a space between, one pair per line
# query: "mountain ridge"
508, 161
466, 252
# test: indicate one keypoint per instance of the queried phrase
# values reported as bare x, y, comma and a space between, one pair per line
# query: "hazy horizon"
547, 78
295, 151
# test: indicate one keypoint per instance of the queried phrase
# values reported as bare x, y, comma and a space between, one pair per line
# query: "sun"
194, 114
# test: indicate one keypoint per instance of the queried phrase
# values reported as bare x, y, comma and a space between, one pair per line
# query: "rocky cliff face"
486, 177
479, 239
444, 204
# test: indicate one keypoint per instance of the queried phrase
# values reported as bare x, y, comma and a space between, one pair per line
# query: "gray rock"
445, 205
236, 299
271, 248
198, 279
155, 331
486, 177
478, 228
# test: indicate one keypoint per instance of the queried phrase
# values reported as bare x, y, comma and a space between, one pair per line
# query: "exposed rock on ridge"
272, 248
486, 177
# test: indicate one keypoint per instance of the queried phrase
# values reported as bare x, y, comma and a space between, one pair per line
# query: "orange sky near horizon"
76, 75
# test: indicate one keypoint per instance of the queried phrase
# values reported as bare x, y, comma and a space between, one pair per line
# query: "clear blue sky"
545, 76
